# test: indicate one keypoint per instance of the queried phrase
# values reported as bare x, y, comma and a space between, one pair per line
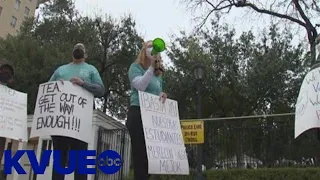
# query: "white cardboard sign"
307, 113
64, 110
13, 114
164, 141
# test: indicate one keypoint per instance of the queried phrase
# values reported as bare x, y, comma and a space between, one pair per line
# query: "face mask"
4, 78
78, 54
148, 51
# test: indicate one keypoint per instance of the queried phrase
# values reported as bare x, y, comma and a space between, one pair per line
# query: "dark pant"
64, 144
139, 152
2, 146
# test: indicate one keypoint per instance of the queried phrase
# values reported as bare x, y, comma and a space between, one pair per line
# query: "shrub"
265, 174
248, 174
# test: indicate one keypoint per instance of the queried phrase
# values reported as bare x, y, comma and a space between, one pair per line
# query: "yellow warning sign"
193, 132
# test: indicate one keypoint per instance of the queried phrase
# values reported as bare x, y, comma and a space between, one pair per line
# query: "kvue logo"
109, 162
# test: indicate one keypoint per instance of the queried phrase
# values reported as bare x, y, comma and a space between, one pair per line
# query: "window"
17, 5
26, 11
0, 11
13, 21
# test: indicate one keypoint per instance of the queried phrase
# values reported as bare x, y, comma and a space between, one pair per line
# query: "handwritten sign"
193, 132
63, 109
307, 113
13, 114
164, 142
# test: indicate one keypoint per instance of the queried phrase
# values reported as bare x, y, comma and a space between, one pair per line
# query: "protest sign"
13, 114
193, 132
162, 131
63, 109
307, 113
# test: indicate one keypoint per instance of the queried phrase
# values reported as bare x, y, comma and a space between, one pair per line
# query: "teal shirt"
84, 71
154, 86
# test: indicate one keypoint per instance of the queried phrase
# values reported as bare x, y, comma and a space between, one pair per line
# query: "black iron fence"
239, 143
117, 140
256, 143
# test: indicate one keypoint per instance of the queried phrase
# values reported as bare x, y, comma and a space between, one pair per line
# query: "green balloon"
158, 46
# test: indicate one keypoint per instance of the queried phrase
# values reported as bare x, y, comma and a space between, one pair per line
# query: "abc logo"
109, 162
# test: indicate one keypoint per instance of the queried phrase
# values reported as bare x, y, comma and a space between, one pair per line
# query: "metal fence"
119, 141
256, 143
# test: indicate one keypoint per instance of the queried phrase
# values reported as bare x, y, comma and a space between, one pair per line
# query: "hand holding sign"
78, 81
64, 110
163, 96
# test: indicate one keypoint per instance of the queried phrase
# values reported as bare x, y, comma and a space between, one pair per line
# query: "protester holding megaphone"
144, 75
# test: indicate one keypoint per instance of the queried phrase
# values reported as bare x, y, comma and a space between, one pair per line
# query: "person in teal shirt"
87, 76
144, 75
81, 73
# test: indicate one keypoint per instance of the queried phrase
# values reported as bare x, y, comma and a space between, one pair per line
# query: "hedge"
249, 174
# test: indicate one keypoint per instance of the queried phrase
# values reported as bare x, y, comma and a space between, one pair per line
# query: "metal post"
200, 146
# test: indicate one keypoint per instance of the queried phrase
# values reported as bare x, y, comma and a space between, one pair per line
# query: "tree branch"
309, 26
279, 15
103, 63
215, 8
252, 6
316, 7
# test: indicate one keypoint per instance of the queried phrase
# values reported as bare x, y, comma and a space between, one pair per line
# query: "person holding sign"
6, 79
6, 75
88, 77
144, 75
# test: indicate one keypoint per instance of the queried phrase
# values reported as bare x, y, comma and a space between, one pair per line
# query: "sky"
154, 18
159, 18
164, 18
167, 17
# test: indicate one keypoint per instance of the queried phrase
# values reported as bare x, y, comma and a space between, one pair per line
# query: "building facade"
14, 12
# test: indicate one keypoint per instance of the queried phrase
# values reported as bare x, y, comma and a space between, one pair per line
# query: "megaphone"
158, 45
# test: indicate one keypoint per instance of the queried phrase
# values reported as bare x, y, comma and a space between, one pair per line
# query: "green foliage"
265, 174
249, 174
43, 45
167, 177
244, 76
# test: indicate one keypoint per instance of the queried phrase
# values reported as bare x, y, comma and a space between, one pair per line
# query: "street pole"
200, 146
199, 75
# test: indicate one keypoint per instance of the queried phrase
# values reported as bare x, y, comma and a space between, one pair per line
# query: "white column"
93, 146
127, 156
21, 146
39, 149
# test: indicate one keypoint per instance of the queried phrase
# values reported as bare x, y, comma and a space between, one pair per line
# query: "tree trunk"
313, 54
105, 97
